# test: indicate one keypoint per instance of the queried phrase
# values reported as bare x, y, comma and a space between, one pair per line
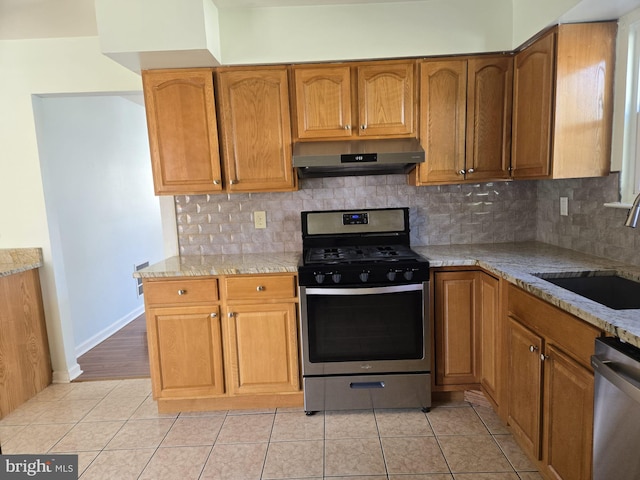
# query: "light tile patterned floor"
115, 429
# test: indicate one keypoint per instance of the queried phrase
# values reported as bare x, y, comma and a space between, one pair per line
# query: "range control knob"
408, 275
336, 277
364, 276
391, 275
319, 277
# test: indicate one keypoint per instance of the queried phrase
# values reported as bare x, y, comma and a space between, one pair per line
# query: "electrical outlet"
260, 219
564, 206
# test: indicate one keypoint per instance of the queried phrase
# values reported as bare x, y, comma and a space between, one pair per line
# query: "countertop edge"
18, 260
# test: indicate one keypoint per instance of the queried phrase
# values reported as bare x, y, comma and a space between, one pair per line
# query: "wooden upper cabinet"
386, 99
183, 133
489, 97
443, 103
465, 127
532, 100
373, 99
323, 101
563, 103
256, 129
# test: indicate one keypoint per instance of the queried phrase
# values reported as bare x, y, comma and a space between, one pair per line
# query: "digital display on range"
355, 218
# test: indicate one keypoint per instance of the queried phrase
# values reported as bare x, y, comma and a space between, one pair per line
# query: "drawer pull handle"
260, 288
360, 385
182, 292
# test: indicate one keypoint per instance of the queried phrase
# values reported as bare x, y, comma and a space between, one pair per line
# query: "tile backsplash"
590, 227
450, 214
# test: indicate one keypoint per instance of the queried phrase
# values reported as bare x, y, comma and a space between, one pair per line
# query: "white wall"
376, 30
102, 213
66, 65
530, 17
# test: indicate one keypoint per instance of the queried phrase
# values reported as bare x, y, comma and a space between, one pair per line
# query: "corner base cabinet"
211, 351
467, 332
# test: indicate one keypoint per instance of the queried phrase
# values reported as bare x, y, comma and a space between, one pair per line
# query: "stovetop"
359, 254
359, 247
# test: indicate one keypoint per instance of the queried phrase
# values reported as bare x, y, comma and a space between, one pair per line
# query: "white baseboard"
87, 345
67, 376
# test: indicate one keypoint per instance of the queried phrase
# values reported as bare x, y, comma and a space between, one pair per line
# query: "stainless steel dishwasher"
616, 419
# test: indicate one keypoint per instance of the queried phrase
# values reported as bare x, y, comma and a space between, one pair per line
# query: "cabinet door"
532, 109
525, 385
386, 99
262, 349
185, 351
256, 129
443, 94
183, 133
489, 88
323, 101
490, 335
568, 417
456, 339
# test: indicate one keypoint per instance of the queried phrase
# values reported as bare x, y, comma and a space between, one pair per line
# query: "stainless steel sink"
604, 287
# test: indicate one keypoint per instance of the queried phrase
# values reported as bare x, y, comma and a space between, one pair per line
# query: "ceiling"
22, 19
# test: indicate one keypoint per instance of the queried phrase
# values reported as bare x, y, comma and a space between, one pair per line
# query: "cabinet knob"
471, 170
461, 172
230, 314
543, 357
182, 292
347, 127
216, 182
363, 127
214, 315
233, 182
260, 288
532, 348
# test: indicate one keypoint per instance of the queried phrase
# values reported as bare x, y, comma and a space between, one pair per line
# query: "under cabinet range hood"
356, 157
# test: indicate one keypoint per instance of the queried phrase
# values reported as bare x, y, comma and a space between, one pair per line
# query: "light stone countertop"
16, 260
196, 265
517, 262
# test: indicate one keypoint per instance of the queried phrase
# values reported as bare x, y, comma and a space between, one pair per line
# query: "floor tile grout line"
266, 452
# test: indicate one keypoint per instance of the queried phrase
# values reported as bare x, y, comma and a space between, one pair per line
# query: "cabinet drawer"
261, 287
575, 336
181, 292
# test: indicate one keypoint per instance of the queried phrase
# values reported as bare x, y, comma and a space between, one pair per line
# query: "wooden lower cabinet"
25, 363
491, 338
185, 349
455, 325
232, 349
525, 385
550, 385
568, 417
262, 349
466, 327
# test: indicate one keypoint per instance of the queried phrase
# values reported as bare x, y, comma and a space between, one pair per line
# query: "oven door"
364, 330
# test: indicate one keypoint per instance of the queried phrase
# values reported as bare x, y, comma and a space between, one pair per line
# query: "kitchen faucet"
634, 213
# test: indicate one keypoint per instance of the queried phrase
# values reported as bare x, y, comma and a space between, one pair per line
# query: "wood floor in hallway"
123, 355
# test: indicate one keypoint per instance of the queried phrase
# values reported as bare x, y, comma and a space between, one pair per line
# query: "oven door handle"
365, 291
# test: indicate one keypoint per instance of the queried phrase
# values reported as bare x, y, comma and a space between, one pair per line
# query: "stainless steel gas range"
363, 312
